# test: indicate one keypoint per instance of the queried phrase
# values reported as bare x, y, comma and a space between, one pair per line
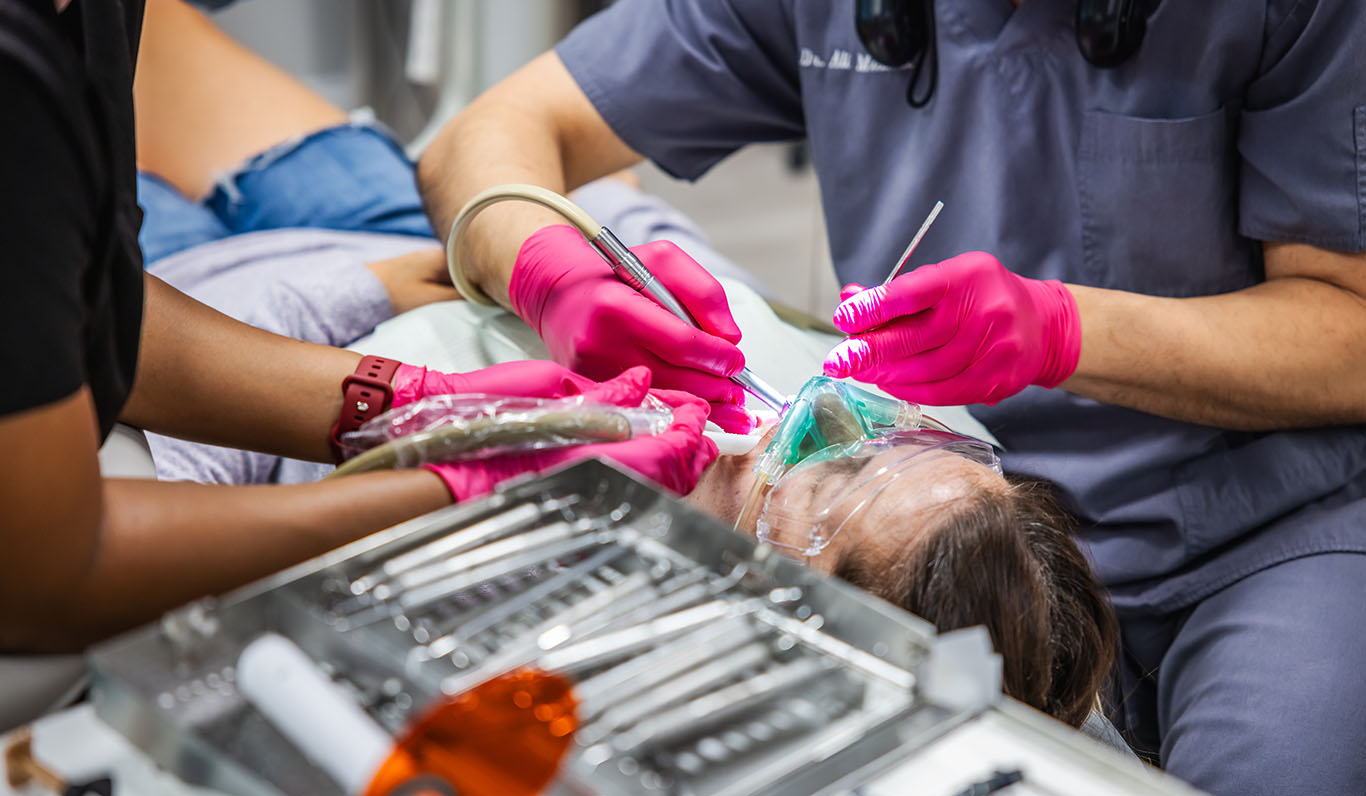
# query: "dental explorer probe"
625, 266
906, 255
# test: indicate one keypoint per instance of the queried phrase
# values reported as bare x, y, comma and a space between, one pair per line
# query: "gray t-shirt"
1233, 124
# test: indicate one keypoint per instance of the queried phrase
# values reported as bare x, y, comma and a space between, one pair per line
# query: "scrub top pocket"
1158, 201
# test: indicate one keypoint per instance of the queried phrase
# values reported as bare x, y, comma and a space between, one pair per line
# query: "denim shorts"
352, 177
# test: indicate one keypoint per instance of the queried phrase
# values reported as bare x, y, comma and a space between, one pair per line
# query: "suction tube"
572, 213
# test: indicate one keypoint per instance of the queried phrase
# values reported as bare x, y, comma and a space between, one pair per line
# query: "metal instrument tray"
766, 677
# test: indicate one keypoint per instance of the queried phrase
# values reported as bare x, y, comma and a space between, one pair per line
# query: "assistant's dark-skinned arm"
1287, 353
207, 377
536, 127
89, 557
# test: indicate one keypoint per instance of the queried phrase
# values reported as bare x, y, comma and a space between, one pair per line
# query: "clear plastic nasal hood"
838, 449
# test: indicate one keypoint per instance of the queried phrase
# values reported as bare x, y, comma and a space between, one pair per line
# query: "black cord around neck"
931, 52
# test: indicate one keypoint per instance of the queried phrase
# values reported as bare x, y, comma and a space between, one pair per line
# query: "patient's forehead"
916, 478
946, 475
928, 464
897, 514
936, 480
932, 477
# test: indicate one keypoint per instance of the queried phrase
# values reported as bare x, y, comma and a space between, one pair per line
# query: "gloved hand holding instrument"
601, 307
962, 331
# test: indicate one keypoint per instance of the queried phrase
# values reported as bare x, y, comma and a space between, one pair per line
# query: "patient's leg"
205, 104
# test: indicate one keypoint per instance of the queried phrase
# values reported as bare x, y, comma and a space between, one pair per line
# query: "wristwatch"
366, 393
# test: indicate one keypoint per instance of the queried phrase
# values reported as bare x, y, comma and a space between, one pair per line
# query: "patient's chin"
824, 561
721, 494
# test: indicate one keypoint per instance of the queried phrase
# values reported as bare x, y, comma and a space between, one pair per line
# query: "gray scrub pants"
1259, 689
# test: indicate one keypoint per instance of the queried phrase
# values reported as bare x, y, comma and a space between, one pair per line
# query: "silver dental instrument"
725, 702
467, 561
834, 736
446, 644
703, 679
511, 521
560, 540
906, 255
663, 663
618, 644
808, 632
581, 618
431, 592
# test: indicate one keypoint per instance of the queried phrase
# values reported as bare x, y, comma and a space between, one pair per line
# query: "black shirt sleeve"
47, 228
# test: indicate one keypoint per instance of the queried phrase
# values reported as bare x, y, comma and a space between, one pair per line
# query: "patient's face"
882, 528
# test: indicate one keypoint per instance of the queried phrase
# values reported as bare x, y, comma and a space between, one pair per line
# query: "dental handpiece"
629, 269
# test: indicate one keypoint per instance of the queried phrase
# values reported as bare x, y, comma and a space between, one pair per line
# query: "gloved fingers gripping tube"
453, 443
446, 428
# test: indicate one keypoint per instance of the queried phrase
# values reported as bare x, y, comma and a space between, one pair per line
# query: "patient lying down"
957, 543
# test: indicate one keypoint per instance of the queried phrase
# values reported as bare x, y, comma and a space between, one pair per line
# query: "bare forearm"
207, 377
471, 155
164, 544
1286, 353
204, 103
535, 127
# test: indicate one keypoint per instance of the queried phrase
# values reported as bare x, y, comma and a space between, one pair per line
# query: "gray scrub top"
1236, 122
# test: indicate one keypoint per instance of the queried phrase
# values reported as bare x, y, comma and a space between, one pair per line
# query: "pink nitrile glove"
674, 458
958, 332
596, 325
531, 378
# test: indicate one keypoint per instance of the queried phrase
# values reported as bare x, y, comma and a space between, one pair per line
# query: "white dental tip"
732, 444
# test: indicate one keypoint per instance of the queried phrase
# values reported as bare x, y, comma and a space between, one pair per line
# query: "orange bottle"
505, 737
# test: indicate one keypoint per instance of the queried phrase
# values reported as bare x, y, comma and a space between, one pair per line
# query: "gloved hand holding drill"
597, 325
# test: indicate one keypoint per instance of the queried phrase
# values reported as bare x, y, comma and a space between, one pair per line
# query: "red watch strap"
366, 393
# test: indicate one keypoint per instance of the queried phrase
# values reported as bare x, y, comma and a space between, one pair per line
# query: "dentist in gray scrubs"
1170, 322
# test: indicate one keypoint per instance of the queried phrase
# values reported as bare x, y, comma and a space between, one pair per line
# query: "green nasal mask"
826, 417
831, 422
828, 414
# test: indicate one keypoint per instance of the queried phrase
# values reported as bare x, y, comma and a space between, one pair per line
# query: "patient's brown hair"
1005, 558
